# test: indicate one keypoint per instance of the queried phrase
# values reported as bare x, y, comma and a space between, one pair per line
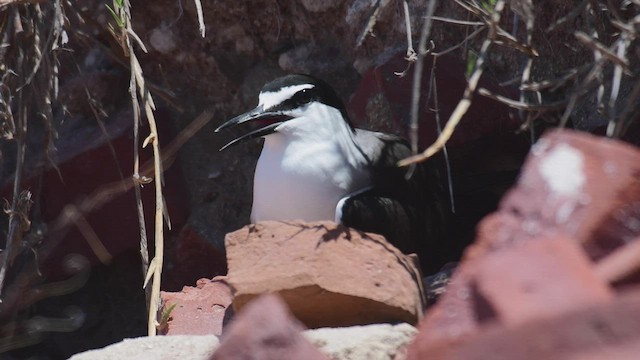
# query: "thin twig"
615, 84
465, 102
411, 53
14, 214
469, 37
137, 85
200, 17
571, 15
606, 52
433, 87
417, 76
523, 105
456, 21
379, 6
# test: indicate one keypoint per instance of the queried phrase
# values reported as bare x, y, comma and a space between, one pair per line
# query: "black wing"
408, 210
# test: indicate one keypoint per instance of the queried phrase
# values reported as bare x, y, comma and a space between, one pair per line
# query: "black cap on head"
321, 92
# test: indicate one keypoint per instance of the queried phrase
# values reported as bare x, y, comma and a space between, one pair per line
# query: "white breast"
304, 177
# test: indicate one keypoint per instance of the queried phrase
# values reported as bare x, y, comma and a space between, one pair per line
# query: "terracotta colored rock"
536, 279
265, 330
328, 275
539, 278
199, 310
575, 188
605, 331
582, 185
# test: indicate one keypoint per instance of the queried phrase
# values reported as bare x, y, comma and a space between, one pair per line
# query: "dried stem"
465, 102
417, 76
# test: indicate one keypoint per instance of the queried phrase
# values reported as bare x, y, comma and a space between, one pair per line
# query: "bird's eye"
302, 97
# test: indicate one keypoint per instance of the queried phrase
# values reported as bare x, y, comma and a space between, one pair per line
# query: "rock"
265, 330
155, 348
534, 279
198, 310
574, 189
328, 275
546, 277
371, 342
605, 331
582, 185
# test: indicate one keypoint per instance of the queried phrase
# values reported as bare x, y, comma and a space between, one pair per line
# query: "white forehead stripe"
271, 99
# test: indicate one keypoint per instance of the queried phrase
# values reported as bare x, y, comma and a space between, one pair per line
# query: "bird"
315, 166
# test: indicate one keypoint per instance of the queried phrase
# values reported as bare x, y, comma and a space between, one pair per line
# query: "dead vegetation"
609, 32
34, 35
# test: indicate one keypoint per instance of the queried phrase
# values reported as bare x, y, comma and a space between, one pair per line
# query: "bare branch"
465, 102
379, 6
417, 76
606, 52
522, 105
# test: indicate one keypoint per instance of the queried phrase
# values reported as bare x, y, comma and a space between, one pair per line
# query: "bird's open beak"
265, 123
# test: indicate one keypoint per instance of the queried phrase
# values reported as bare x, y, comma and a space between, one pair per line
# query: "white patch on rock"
562, 170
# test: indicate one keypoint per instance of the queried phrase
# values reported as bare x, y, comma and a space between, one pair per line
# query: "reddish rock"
574, 187
265, 330
328, 275
582, 185
605, 331
544, 277
538, 278
199, 310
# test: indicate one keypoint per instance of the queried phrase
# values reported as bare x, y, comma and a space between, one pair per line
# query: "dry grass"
33, 35
615, 61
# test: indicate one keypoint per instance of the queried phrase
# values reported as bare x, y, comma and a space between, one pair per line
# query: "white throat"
306, 167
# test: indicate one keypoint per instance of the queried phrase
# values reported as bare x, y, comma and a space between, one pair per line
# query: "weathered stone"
605, 331
584, 186
371, 342
265, 330
575, 187
155, 348
536, 279
199, 310
328, 275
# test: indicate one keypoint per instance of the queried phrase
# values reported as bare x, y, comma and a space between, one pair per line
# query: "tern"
315, 165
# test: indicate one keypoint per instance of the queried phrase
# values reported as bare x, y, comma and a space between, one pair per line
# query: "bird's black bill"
264, 123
